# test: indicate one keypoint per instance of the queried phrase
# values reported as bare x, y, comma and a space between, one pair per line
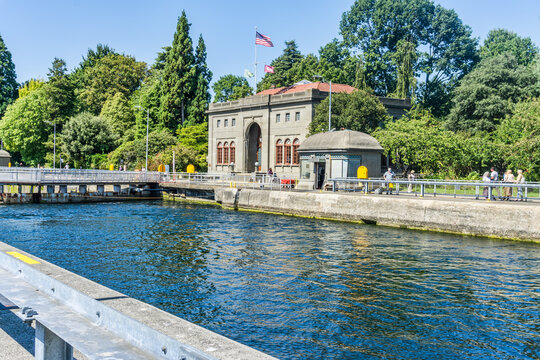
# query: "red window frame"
287, 152
226, 153
279, 152
295, 156
219, 154
232, 152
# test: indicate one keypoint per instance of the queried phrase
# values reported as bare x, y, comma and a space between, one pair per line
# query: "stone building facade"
265, 130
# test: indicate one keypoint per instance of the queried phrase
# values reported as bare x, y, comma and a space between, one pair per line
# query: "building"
5, 158
337, 154
265, 130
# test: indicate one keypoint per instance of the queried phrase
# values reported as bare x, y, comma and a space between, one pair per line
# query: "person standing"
388, 176
487, 179
411, 177
494, 176
508, 178
520, 179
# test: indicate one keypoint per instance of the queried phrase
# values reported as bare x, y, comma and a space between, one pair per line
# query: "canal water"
298, 288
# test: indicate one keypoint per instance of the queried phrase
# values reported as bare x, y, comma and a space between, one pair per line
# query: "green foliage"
404, 59
85, 135
201, 99
29, 86
111, 74
133, 153
148, 96
179, 77
500, 41
195, 138
118, 112
519, 135
8, 78
60, 92
445, 46
282, 64
358, 111
488, 93
24, 127
419, 141
231, 87
58, 69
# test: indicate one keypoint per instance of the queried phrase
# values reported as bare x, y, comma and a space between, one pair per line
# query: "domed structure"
338, 154
340, 141
5, 158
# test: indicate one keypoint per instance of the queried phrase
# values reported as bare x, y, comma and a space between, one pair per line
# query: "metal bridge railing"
75, 176
255, 181
424, 187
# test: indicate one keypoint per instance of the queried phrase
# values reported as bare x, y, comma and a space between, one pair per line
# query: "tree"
58, 69
111, 74
519, 135
358, 111
85, 135
447, 49
118, 112
487, 94
202, 97
30, 85
282, 64
500, 41
24, 127
8, 78
148, 96
404, 59
60, 92
179, 77
231, 87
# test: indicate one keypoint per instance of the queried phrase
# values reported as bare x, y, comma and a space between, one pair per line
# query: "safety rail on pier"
529, 191
32, 176
255, 181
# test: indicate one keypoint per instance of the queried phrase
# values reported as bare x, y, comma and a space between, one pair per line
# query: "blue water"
299, 288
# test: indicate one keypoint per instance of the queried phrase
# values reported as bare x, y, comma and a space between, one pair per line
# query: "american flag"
264, 40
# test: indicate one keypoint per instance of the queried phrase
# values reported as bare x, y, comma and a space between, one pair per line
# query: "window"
233, 122
297, 116
219, 153
287, 159
287, 117
295, 156
278, 118
226, 153
226, 123
218, 123
279, 152
232, 153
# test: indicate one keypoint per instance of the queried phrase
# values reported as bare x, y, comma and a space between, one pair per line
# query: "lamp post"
54, 145
329, 101
147, 120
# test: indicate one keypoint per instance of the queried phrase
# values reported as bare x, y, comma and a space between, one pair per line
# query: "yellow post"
362, 172
190, 169
161, 168
9, 164
111, 167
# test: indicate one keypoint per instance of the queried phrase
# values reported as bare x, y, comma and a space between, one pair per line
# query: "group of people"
493, 176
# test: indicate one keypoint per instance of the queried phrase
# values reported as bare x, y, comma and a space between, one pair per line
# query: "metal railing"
31, 176
254, 181
498, 190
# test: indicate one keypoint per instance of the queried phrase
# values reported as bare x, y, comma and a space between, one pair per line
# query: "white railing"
255, 181
33, 176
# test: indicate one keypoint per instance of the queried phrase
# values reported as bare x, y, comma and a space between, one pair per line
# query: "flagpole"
255, 82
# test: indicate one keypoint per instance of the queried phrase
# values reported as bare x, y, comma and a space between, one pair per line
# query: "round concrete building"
5, 158
337, 154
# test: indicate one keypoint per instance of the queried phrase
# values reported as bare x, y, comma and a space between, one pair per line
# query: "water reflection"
299, 288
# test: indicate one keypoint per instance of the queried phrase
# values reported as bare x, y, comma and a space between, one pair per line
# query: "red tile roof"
336, 88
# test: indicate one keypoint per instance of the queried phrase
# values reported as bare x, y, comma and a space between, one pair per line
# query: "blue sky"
37, 31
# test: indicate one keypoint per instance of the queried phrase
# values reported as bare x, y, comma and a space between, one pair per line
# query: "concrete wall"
504, 220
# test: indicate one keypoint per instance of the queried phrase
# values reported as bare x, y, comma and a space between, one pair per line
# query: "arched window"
232, 153
226, 153
279, 152
287, 160
295, 156
219, 154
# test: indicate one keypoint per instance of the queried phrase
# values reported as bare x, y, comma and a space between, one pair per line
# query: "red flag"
268, 69
264, 40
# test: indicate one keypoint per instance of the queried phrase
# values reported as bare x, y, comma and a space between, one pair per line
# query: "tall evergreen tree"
8, 78
201, 99
282, 66
179, 77
404, 58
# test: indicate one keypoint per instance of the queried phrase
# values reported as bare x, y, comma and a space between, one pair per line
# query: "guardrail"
457, 189
255, 181
30, 176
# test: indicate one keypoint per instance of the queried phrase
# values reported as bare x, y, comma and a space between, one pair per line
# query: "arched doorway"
254, 148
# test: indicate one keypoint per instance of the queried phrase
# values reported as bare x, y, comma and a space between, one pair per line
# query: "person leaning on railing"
487, 179
520, 180
508, 178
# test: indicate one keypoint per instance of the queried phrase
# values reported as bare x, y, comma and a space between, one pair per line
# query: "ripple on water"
300, 288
